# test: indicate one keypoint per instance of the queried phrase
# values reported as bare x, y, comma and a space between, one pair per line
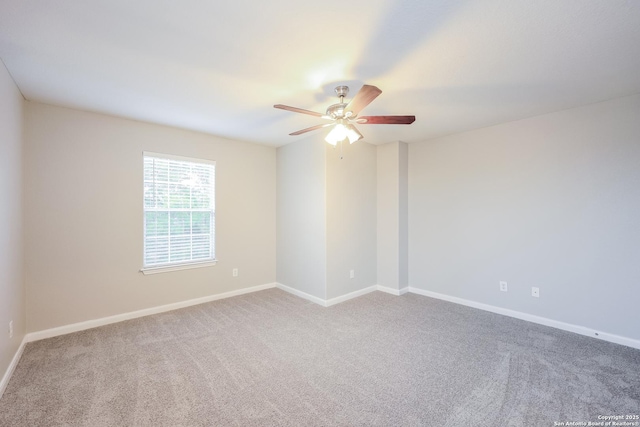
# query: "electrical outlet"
503, 286
235, 272
352, 274
11, 329
535, 292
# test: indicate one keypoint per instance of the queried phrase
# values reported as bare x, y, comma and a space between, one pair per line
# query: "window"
179, 212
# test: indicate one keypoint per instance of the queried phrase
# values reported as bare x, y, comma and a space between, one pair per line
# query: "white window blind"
179, 210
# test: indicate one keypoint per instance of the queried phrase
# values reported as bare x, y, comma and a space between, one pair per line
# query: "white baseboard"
12, 367
392, 291
350, 295
329, 302
94, 323
301, 294
617, 339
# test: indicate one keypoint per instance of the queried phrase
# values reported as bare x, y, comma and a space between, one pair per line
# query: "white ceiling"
219, 66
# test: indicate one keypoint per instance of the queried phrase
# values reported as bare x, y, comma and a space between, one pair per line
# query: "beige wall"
326, 217
403, 214
392, 224
301, 223
83, 216
351, 218
551, 201
12, 305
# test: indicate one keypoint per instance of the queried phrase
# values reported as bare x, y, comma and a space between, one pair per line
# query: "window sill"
178, 267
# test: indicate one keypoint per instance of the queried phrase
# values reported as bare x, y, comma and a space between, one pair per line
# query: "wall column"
392, 215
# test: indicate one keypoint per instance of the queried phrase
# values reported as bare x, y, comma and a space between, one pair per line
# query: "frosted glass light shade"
337, 134
353, 134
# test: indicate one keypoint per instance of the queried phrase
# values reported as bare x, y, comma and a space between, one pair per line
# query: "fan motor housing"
336, 111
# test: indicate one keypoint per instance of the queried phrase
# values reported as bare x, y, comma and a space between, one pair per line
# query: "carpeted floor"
272, 359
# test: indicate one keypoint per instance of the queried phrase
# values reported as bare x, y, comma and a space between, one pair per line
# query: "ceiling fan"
343, 115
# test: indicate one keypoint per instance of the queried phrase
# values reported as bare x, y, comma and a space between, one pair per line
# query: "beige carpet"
272, 359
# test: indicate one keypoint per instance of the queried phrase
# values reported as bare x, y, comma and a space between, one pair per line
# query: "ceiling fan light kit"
342, 115
342, 131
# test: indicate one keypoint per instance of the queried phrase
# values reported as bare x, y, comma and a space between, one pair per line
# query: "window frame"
179, 265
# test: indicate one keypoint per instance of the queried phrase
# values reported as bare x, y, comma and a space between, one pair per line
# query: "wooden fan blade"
363, 98
310, 129
298, 110
386, 120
